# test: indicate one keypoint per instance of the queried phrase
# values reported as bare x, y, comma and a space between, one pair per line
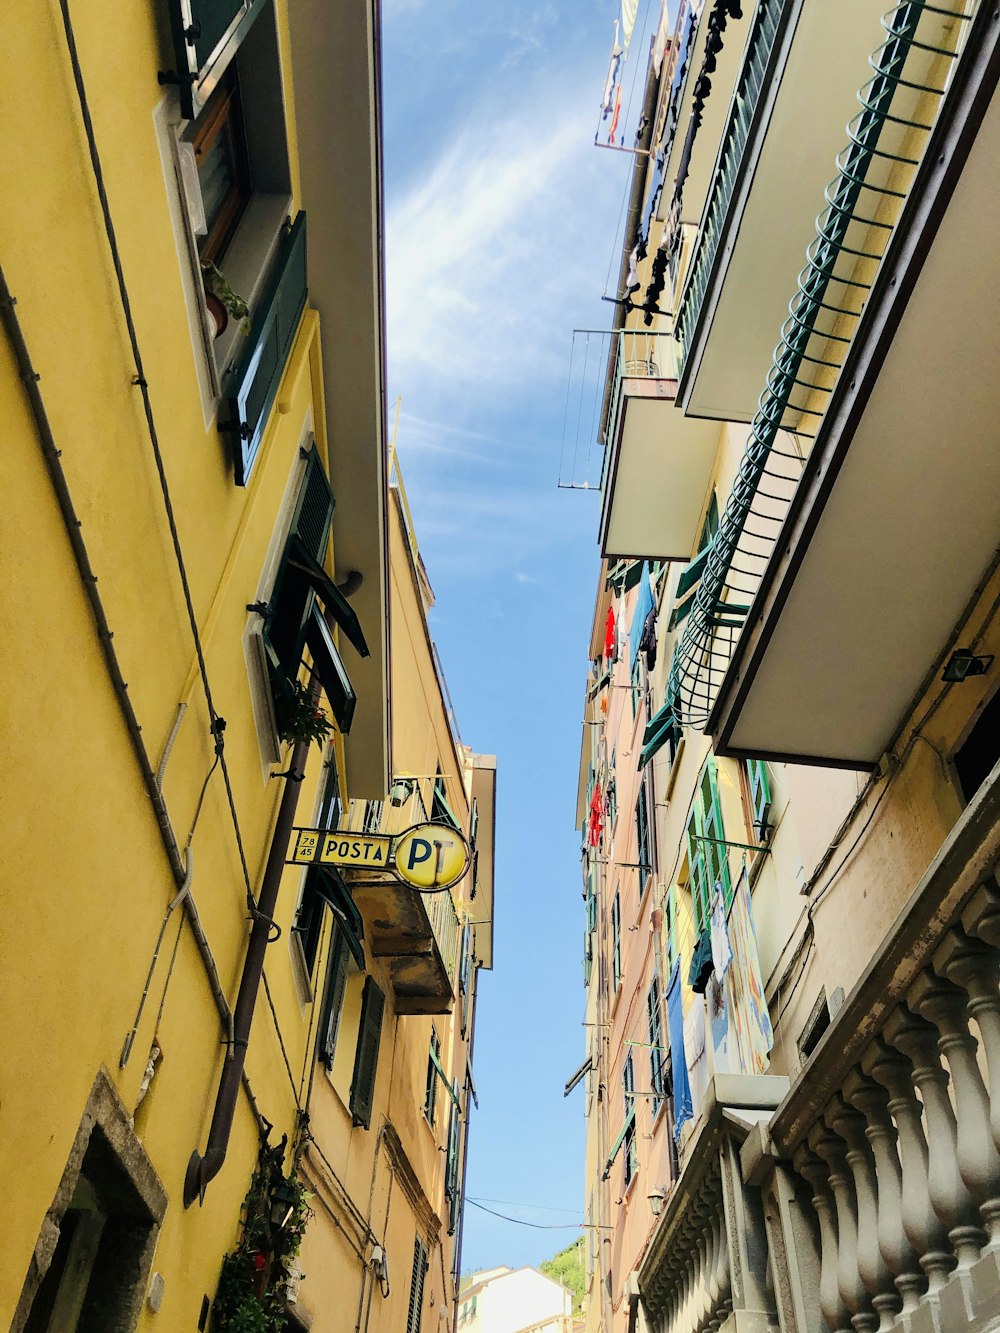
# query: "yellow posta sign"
429, 857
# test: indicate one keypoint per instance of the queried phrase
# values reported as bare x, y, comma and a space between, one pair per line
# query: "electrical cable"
216, 723
537, 1226
513, 1203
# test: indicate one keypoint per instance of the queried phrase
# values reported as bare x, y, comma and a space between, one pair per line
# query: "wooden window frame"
224, 108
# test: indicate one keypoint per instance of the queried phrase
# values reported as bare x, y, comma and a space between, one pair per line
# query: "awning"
332, 598
658, 731
574, 1079
324, 881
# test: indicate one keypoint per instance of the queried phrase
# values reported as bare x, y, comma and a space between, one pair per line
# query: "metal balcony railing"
875, 173
439, 908
638, 354
760, 45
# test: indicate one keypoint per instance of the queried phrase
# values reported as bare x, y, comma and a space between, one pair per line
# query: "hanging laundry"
632, 283
644, 604
683, 1110
612, 79
722, 955
745, 986
629, 10
701, 963
614, 119
596, 824
609, 635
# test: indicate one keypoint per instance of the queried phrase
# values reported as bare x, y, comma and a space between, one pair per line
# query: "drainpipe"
203, 1168
640, 167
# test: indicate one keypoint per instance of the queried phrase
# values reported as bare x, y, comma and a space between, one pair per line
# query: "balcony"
895, 518
706, 1266
880, 1170
416, 933
657, 462
796, 90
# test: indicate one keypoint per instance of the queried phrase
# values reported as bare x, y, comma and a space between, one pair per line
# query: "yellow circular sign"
431, 857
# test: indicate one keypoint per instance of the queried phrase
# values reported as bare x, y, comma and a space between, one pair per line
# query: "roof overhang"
656, 475
818, 63
484, 792
338, 121
897, 514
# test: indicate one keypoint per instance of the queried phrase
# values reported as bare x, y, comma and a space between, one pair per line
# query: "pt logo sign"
431, 857
428, 857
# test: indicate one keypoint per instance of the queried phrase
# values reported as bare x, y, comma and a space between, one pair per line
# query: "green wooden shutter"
451, 1170
419, 1269
252, 384
333, 1001
616, 941
206, 35
366, 1058
655, 1027
760, 795
314, 508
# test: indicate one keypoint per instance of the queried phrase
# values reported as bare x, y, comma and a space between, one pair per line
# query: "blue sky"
501, 223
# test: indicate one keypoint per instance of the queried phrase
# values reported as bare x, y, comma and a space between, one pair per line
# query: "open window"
295, 619
246, 269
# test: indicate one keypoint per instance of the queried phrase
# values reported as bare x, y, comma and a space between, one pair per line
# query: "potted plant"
299, 717
221, 301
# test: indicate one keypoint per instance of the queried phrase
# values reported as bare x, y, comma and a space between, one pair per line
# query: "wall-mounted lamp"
283, 1203
963, 662
401, 791
656, 1196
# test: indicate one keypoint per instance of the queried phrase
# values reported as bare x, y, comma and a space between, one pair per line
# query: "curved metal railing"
874, 174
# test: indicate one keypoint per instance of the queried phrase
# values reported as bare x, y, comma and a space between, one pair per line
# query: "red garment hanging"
596, 824
609, 635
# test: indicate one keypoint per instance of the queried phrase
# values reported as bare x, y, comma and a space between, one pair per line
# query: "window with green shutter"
333, 1001
417, 1274
616, 942
441, 811
654, 1023
630, 1158
758, 787
706, 848
303, 595
206, 35
644, 845
366, 1058
451, 1189
251, 384
433, 1061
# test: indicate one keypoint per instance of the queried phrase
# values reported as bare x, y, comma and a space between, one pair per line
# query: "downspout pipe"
202, 1168
52, 456
640, 169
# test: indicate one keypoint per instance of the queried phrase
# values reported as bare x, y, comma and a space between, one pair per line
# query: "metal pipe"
202, 1168
639, 169
30, 379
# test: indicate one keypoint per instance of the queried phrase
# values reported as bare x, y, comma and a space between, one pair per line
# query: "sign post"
428, 857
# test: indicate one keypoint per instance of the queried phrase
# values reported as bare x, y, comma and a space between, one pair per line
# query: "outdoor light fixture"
964, 662
401, 791
655, 1196
283, 1202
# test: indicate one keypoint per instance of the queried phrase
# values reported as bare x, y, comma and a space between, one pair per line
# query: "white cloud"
488, 253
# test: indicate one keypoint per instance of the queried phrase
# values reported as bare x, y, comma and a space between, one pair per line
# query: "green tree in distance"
568, 1268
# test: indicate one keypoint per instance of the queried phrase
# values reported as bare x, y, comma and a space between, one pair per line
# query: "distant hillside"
568, 1268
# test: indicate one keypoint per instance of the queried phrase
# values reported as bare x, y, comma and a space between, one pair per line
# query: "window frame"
430, 1092
630, 1160
657, 1064
708, 861
616, 942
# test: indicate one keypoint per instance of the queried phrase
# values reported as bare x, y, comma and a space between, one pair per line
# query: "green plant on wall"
253, 1285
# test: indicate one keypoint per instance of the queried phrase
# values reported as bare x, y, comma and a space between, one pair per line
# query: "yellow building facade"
195, 442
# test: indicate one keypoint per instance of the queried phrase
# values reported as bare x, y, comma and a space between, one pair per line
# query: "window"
223, 168
309, 916
644, 846
629, 1161
706, 849
333, 1002
417, 1274
616, 942
451, 1190
230, 161
816, 1024
433, 1061
656, 1062
975, 757
366, 1056
757, 797
373, 817
293, 621
690, 575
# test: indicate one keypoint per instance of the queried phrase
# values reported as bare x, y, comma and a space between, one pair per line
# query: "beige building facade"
788, 786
